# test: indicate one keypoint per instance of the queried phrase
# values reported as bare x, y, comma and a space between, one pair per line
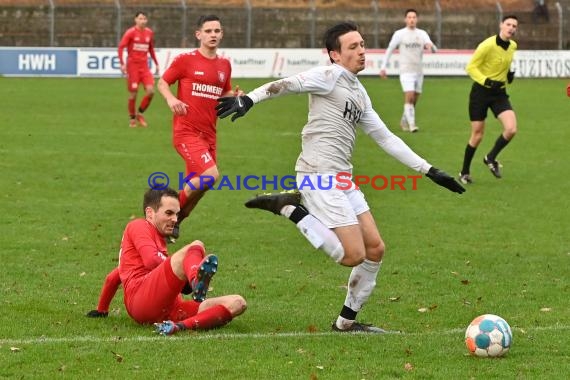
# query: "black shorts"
482, 98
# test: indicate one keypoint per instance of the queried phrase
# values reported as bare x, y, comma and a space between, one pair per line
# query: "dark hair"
509, 16
140, 13
332, 35
204, 19
153, 197
410, 10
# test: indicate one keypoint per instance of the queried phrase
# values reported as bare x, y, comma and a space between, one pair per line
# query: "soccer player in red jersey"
568, 90
202, 77
153, 280
139, 42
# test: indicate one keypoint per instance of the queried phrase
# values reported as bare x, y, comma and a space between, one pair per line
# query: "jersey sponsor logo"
206, 90
352, 112
200, 73
413, 45
140, 47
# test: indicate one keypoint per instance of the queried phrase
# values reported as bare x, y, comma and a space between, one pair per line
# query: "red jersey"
139, 43
143, 248
201, 81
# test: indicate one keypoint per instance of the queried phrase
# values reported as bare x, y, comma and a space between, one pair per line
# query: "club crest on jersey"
221, 76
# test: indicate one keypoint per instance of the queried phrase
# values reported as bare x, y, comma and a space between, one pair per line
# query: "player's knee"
196, 244
352, 258
376, 251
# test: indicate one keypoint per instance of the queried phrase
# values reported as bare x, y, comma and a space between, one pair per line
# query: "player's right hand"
177, 107
236, 105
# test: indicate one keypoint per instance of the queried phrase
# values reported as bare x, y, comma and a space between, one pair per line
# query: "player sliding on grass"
337, 221
153, 280
139, 42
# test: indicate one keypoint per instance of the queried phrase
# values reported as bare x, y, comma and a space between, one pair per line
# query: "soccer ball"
488, 335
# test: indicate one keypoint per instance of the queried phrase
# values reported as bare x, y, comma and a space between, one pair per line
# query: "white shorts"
412, 82
328, 200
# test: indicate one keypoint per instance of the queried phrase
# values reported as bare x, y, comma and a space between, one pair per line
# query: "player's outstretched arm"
443, 179
236, 105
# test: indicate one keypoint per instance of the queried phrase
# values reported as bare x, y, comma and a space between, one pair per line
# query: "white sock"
321, 237
410, 113
361, 283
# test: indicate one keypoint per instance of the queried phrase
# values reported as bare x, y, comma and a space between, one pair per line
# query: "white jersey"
411, 44
338, 103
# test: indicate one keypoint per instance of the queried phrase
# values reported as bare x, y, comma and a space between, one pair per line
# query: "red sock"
191, 263
215, 316
182, 198
145, 103
132, 107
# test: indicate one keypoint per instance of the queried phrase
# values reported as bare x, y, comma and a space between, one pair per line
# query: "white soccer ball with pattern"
488, 335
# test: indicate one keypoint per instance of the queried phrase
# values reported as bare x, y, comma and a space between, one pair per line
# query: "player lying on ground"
153, 280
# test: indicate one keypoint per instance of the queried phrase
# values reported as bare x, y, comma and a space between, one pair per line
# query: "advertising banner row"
263, 63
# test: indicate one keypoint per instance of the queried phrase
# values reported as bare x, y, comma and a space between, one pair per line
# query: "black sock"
469, 153
348, 313
299, 213
499, 145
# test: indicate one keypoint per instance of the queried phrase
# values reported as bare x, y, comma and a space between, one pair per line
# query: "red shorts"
156, 297
198, 153
138, 74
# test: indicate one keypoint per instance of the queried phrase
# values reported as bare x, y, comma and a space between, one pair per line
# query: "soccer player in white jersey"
411, 43
338, 220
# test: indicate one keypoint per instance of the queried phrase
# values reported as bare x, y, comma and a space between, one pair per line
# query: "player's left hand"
510, 76
97, 314
443, 179
236, 105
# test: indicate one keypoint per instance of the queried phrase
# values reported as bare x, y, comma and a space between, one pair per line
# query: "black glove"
494, 84
97, 314
510, 76
187, 289
237, 105
445, 180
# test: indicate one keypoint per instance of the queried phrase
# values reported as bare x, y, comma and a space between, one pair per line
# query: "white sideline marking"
206, 336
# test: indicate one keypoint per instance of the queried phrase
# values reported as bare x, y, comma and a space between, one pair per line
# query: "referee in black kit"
489, 68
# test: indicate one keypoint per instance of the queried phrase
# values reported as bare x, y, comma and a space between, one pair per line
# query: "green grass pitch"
73, 174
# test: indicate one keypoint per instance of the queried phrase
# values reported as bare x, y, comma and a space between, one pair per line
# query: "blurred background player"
489, 67
139, 42
153, 280
336, 220
202, 78
411, 43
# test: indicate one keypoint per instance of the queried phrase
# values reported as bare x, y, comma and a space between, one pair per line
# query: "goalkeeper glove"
494, 84
237, 105
510, 76
445, 180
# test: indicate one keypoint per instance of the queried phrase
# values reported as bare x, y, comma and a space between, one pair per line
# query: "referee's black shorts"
482, 98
